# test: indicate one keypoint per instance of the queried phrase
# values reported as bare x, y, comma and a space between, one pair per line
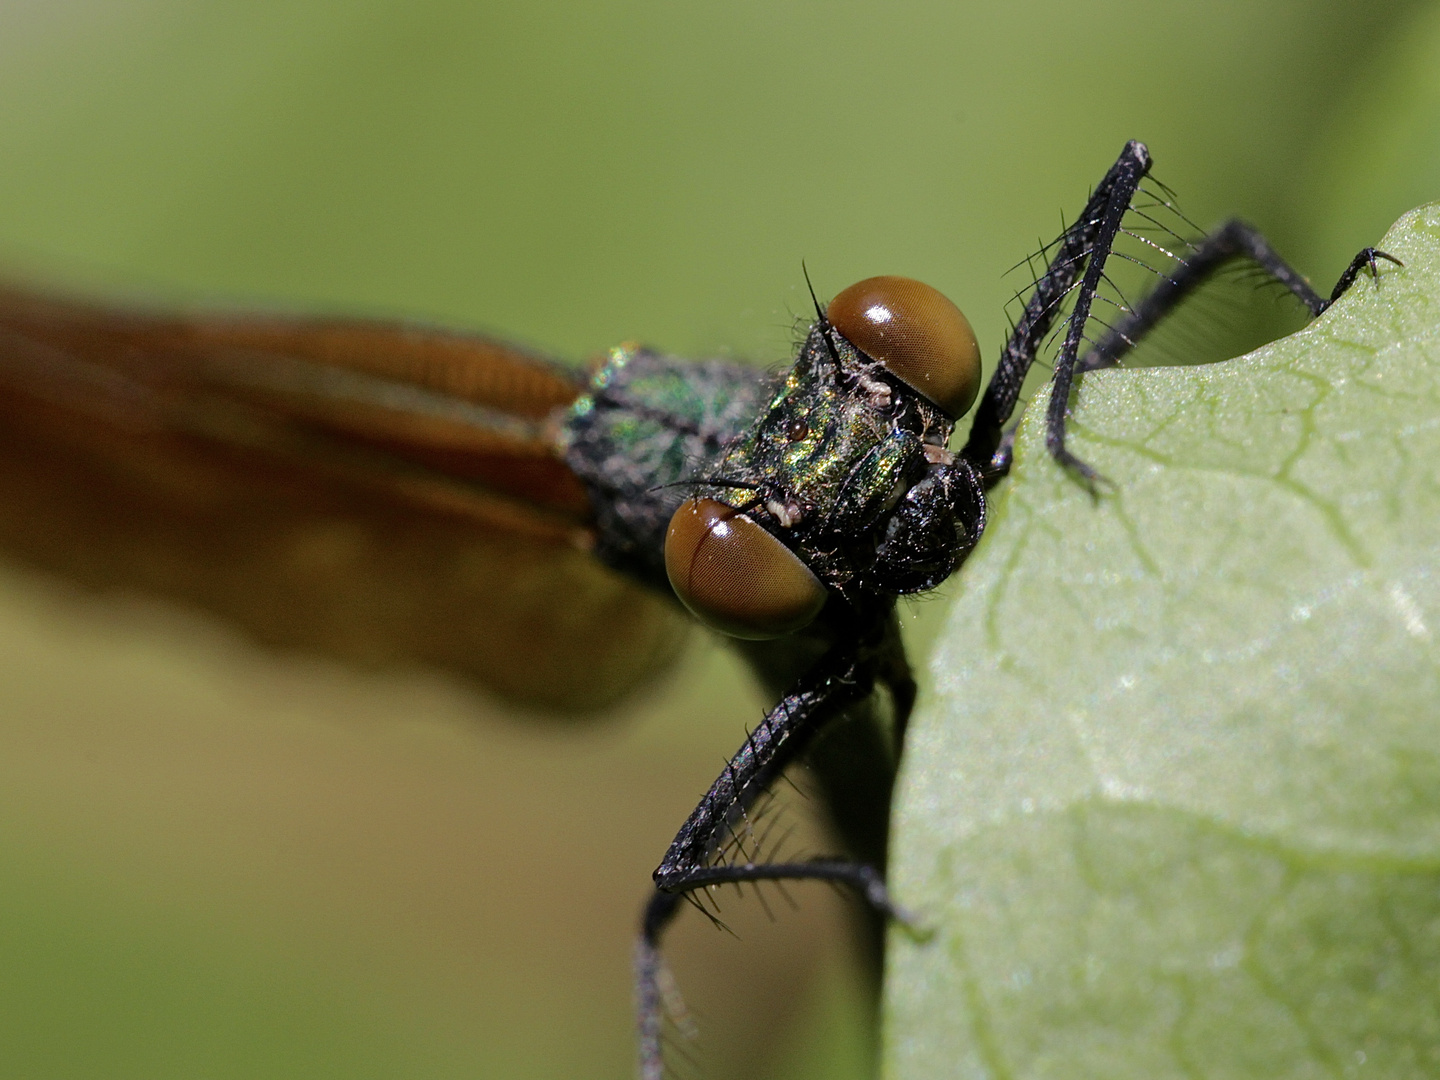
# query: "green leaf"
1173, 808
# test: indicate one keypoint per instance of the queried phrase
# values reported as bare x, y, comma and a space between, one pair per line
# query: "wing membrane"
377, 491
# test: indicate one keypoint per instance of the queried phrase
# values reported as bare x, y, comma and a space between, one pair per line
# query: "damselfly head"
833, 489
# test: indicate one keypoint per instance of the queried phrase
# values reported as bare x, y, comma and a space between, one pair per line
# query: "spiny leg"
1087, 245
1083, 247
844, 676
1121, 193
1234, 239
1365, 257
662, 908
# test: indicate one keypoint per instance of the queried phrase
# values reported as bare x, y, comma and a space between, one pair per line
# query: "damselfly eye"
916, 333
735, 576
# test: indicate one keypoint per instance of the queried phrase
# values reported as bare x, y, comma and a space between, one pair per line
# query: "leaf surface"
1173, 806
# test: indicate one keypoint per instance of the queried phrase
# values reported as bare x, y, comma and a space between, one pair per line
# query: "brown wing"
379, 492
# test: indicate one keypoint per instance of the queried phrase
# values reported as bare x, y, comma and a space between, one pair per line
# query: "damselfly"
788, 511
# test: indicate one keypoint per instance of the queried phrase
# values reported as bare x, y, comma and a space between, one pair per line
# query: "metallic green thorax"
840, 460
648, 423
838, 447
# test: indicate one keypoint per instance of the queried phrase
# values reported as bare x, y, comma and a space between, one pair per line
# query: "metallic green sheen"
648, 424
837, 447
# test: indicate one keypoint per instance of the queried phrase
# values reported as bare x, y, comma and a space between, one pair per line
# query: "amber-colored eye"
735, 576
916, 333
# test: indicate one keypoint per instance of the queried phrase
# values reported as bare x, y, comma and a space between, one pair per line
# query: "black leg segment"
845, 675
867, 882
1234, 239
1079, 266
1364, 258
1084, 247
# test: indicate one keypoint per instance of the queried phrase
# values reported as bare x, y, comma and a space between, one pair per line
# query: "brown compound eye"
916, 333
735, 576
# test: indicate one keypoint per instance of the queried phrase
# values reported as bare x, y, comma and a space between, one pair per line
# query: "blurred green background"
225, 862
